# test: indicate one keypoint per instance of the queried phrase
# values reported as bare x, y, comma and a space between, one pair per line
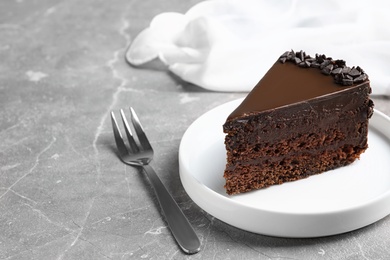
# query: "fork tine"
132, 143
140, 131
118, 137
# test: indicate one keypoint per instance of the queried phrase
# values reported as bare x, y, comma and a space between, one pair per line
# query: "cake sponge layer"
266, 171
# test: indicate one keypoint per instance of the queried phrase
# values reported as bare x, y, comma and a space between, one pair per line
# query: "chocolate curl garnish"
338, 69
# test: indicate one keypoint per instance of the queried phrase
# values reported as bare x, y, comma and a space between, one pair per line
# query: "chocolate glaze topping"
297, 77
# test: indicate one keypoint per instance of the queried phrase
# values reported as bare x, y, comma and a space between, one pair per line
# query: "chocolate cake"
307, 115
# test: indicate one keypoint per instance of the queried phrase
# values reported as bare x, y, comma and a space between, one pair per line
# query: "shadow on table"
263, 243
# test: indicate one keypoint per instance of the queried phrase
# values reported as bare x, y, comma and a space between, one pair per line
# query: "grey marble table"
63, 192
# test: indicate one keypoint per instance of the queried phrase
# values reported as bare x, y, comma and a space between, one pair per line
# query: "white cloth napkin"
228, 45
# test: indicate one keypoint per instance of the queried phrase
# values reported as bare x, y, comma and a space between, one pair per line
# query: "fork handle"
177, 221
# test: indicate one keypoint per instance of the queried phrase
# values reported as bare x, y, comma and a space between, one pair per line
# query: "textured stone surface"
63, 192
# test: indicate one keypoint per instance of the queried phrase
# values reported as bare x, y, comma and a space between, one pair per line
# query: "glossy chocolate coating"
287, 84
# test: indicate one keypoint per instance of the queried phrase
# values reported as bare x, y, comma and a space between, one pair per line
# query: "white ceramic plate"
334, 202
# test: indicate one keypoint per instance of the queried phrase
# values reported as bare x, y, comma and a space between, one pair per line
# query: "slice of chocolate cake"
307, 115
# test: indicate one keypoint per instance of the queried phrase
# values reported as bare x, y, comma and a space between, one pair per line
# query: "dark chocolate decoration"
337, 71
341, 73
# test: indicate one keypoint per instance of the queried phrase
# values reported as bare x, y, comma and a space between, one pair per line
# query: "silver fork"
140, 154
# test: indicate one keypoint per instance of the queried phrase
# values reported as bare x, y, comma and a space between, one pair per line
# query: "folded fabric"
228, 45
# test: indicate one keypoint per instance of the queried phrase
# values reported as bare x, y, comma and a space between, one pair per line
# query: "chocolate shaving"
325, 63
347, 82
341, 73
361, 78
282, 59
354, 72
297, 60
346, 70
315, 65
284, 55
337, 71
326, 70
340, 63
301, 55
